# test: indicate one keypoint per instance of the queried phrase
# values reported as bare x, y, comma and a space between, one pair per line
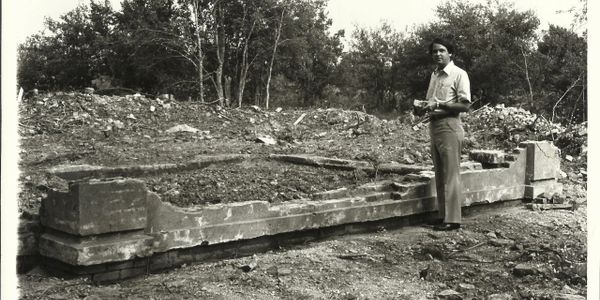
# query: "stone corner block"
96, 207
543, 161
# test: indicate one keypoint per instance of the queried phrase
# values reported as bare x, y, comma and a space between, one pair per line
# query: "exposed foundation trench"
110, 226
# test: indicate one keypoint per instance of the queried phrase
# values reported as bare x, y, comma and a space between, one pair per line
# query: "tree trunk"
245, 66
220, 44
200, 65
277, 36
528, 80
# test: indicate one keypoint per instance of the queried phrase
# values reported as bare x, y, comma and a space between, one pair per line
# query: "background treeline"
278, 52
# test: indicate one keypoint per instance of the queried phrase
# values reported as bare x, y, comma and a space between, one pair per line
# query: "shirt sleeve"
463, 88
430, 88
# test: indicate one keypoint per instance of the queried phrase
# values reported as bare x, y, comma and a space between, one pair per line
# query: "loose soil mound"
65, 128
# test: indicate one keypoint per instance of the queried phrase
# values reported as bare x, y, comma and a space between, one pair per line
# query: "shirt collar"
445, 69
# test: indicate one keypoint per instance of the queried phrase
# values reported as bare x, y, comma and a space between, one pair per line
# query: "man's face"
440, 55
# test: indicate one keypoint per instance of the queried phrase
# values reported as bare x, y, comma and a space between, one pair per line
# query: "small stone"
279, 109
249, 267
501, 242
266, 140
569, 158
524, 270
499, 297
449, 295
465, 287
284, 271
568, 290
182, 128
491, 235
517, 247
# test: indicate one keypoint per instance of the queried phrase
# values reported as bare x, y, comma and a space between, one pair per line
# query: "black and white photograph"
298, 149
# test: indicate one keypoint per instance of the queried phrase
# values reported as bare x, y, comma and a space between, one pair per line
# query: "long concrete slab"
157, 227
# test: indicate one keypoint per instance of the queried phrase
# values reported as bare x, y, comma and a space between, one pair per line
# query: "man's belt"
442, 116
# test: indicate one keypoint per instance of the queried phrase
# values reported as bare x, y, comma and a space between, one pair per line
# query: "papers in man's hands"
420, 103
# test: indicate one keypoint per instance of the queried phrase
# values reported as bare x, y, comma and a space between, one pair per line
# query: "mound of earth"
73, 128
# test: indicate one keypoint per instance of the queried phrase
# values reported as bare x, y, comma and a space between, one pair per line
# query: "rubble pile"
506, 127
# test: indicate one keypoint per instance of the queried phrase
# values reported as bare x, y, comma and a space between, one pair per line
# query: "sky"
345, 14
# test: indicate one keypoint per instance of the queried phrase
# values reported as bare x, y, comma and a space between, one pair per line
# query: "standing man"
447, 96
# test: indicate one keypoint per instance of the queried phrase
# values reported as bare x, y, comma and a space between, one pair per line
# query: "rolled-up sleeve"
463, 87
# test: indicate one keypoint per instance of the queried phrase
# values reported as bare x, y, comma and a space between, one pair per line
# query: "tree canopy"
243, 51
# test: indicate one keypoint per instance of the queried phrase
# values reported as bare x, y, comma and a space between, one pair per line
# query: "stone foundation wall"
116, 227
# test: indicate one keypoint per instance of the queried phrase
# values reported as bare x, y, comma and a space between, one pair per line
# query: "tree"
371, 63
563, 55
490, 44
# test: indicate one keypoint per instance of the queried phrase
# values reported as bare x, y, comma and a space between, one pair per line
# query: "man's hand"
432, 105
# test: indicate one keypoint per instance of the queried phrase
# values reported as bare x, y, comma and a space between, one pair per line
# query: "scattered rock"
568, 290
182, 128
267, 140
465, 287
449, 295
249, 267
491, 235
499, 297
501, 242
524, 270
284, 271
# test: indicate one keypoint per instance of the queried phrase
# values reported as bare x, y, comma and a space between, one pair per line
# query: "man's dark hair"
442, 42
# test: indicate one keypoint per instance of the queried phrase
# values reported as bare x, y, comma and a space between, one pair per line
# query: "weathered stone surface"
82, 172
398, 168
537, 188
487, 156
86, 251
28, 234
280, 219
96, 207
168, 227
543, 160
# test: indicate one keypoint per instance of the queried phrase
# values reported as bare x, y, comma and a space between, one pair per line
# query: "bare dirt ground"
513, 253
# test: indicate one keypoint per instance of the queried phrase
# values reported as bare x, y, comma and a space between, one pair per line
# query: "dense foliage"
281, 51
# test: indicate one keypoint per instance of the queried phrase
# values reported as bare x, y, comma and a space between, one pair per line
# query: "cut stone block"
537, 188
97, 207
86, 251
543, 160
493, 157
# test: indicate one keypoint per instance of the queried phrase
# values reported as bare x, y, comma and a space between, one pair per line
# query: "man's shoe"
446, 227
